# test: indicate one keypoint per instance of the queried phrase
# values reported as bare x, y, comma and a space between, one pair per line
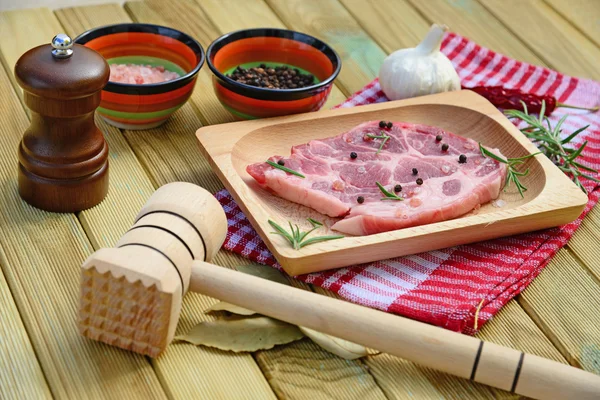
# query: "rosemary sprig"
383, 136
547, 138
297, 238
281, 167
388, 195
512, 174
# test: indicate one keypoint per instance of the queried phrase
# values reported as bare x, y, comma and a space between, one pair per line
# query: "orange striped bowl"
270, 46
131, 106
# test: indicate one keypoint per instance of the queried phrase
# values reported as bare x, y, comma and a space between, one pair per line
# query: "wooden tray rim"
218, 152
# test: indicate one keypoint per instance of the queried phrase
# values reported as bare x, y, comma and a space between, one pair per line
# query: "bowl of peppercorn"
268, 72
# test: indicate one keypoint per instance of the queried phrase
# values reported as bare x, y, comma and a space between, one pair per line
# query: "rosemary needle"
383, 136
512, 174
298, 239
388, 195
547, 138
281, 167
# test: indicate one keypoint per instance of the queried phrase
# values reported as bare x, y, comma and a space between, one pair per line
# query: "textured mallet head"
131, 295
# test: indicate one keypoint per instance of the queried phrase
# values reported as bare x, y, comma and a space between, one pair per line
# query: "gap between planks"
178, 380
286, 380
394, 36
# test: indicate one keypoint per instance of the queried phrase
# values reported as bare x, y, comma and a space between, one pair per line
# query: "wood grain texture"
24, 378
428, 345
379, 19
582, 14
149, 150
17, 35
584, 243
233, 147
76, 20
471, 19
155, 147
329, 21
553, 39
512, 327
563, 302
401, 379
232, 15
45, 285
169, 141
392, 24
296, 380
302, 370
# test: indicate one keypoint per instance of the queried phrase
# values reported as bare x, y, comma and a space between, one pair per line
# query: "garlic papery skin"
419, 71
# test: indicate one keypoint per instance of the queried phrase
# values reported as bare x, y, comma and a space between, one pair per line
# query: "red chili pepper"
510, 99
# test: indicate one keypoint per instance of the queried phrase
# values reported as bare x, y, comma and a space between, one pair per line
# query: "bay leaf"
337, 346
232, 308
241, 334
265, 272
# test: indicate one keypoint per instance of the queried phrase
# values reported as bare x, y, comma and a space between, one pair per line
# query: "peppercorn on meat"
403, 175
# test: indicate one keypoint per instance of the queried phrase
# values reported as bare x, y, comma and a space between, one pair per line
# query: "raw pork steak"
334, 180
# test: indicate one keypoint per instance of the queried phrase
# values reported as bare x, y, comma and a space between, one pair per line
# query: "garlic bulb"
419, 71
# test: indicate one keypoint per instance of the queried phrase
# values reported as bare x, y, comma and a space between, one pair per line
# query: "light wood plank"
471, 19
331, 22
12, 22
156, 145
401, 379
511, 327
232, 15
511, 314
171, 145
392, 24
563, 301
584, 243
582, 14
40, 255
293, 370
22, 375
555, 40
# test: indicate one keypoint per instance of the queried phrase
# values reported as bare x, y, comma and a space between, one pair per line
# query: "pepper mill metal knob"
63, 157
62, 44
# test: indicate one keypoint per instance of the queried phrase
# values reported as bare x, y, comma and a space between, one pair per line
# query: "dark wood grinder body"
63, 157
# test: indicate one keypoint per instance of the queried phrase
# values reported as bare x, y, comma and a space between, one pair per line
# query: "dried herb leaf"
265, 272
232, 308
240, 334
339, 347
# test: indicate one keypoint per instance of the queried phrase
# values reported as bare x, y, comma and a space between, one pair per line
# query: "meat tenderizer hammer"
131, 298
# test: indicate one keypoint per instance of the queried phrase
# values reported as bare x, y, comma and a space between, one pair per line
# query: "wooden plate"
552, 199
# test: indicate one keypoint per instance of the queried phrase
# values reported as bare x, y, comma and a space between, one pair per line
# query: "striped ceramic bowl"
252, 47
131, 106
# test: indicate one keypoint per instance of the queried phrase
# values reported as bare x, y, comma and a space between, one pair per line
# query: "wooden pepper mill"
63, 157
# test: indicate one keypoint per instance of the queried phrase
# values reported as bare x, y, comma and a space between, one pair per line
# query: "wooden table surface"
41, 353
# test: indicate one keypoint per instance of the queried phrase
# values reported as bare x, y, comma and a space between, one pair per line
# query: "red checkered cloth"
446, 287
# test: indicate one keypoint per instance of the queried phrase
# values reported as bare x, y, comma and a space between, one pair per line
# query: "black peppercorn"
382, 124
353, 155
360, 199
419, 181
462, 159
438, 138
397, 188
389, 125
445, 147
281, 162
415, 171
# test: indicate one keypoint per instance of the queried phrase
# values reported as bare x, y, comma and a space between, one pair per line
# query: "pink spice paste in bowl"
140, 74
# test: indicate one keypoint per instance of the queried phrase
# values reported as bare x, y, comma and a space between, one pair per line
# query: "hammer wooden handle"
454, 353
